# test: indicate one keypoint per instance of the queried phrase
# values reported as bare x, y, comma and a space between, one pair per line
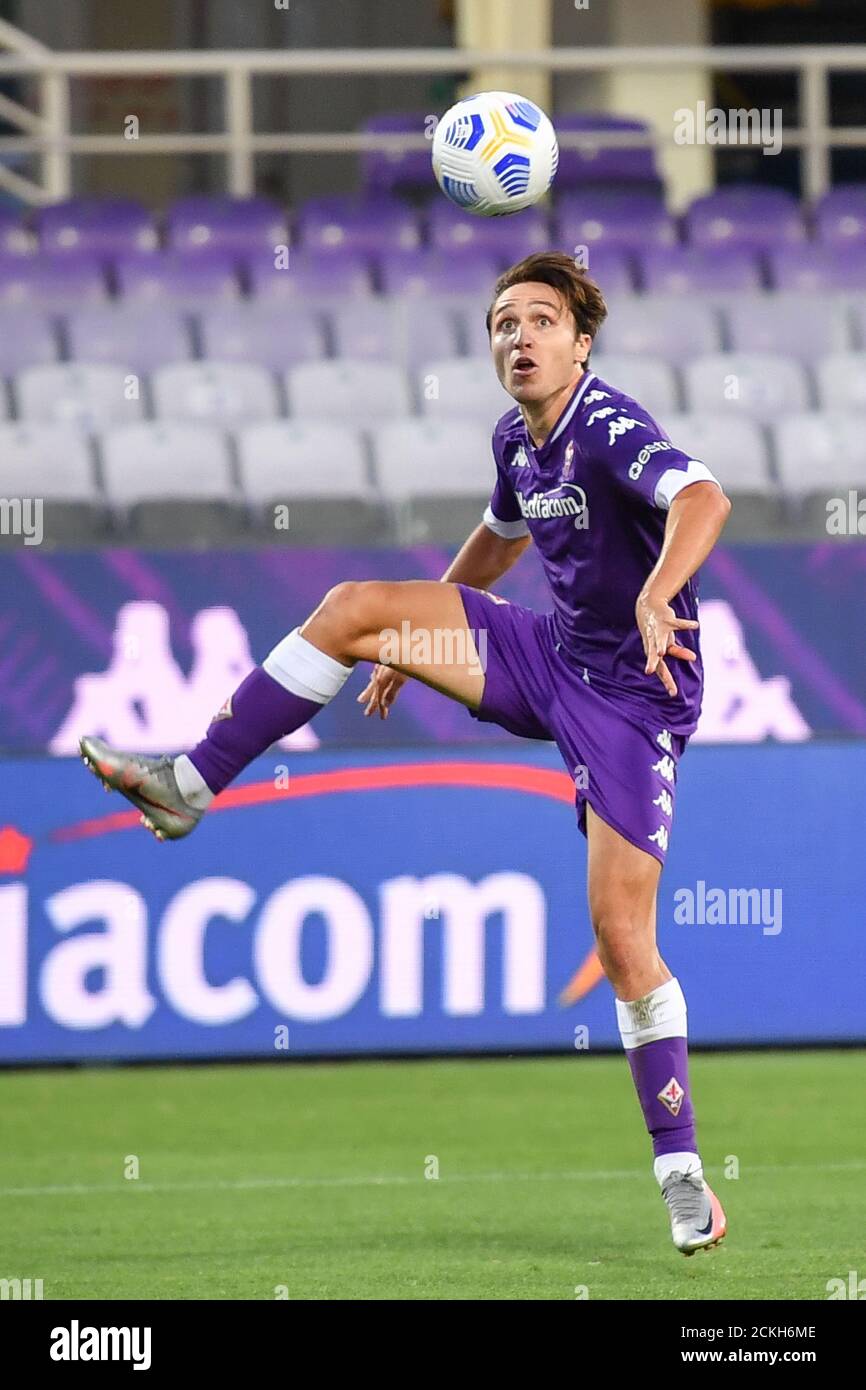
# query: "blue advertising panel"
432, 900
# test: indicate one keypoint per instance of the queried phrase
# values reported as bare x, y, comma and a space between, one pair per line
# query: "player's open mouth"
523, 366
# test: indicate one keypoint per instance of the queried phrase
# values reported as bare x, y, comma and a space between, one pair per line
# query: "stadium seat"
405, 331
592, 166
366, 227
202, 222
805, 326
665, 326
356, 393
51, 282
91, 396
15, 238
812, 268
820, 450
219, 393
636, 220
757, 384
186, 280
143, 336
388, 170
272, 336
437, 272
857, 305
319, 471
751, 216
305, 277
27, 339
172, 480
840, 215
437, 475
698, 270
463, 388
506, 239
101, 226
53, 462
650, 381
842, 381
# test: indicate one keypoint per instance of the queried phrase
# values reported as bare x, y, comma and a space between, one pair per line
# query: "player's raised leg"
419, 627
651, 1013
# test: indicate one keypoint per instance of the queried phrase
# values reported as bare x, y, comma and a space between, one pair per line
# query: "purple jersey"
594, 497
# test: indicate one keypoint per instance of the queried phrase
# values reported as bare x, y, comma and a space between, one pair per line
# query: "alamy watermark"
438, 646
846, 516
22, 516
703, 906
703, 125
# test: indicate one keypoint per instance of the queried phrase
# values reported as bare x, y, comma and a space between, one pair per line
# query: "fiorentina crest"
672, 1096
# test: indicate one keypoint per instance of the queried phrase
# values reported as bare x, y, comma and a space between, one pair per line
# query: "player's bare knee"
346, 613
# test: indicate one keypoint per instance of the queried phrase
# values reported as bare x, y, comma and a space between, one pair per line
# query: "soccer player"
622, 519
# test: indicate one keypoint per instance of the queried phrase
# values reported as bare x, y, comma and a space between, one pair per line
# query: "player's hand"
382, 691
658, 624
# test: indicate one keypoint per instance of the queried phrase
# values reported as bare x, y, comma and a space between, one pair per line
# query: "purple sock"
258, 713
661, 1076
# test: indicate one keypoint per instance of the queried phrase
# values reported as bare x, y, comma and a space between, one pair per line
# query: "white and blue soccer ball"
494, 153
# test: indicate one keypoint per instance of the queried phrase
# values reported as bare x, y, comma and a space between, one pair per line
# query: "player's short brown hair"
558, 270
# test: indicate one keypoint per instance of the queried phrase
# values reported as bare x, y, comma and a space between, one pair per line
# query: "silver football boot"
697, 1219
149, 783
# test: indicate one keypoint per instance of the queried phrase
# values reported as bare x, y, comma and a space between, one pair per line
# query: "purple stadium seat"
388, 170
632, 220
272, 336
796, 325
437, 272
143, 337
403, 331
15, 239
818, 266
102, 226
840, 216
508, 239
27, 339
176, 277
225, 224
692, 270
747, 215
597, 166
308, 276
609, 266
378, 224
51, 282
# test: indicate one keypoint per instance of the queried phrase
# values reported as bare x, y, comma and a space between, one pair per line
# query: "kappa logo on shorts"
660, 838
665, 801
664, 740
666, 767
672, 1095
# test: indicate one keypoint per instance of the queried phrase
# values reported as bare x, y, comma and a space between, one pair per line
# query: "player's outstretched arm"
695, 521
482, 560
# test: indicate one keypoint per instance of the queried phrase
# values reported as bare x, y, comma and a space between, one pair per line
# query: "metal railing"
46, 134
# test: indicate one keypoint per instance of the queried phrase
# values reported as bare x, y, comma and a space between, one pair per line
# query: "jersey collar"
565, 417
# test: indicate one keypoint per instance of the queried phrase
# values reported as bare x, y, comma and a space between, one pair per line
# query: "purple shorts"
624, 768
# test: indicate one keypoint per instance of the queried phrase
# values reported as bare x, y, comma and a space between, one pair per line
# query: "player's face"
532, 335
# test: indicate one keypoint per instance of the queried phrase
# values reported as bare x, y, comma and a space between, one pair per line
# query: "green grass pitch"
308, 1181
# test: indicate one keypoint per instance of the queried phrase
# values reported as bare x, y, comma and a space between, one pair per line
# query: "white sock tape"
301, 668
659, 1014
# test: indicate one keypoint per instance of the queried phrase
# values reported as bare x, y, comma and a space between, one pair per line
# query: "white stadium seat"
817, 452
666, 327
464, 388
648, 380
354, 392
89, 396
438, 475
842, 381
173, 479
761, 385
733, 448
55, 464
217, 393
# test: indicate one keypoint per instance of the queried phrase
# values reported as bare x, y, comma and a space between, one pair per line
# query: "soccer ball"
494, 153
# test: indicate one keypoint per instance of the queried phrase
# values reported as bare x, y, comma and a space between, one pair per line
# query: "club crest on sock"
672, 1095
225, 710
